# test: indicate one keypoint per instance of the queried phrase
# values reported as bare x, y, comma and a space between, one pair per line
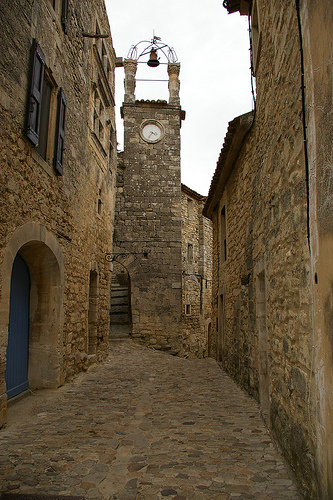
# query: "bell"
153, 61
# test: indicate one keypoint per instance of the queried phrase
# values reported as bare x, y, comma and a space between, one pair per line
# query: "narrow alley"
143, 425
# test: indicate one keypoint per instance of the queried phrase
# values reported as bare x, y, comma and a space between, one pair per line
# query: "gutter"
305, 140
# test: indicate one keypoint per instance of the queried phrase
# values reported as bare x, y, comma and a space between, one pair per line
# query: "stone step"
119, 279
119, 300
119, 293
119, 309
119, 319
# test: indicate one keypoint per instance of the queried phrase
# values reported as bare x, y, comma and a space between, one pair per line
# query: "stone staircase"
120, 314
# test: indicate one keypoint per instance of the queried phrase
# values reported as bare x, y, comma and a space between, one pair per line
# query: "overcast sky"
215, 86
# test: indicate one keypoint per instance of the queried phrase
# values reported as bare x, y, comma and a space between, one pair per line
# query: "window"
44, 118
189, 207
102, 131
64, 15
190, 253
99, 202
99, 118
255, 37
60, 133
60, 7
39, 113
36, 91
223, 235
187, 309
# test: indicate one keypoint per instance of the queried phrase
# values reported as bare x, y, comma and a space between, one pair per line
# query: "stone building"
58, 157
270, 201
197, 275
161, 284
147, 238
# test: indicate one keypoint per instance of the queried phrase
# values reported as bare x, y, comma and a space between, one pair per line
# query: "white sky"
215, 86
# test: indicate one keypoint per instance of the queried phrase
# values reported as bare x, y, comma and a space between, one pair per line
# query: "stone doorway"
40, 251
120, 310
17, 354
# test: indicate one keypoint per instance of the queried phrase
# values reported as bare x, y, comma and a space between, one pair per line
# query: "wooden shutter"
60, 133
36, 93
64, 15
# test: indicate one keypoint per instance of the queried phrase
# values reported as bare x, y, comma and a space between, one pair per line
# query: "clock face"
151, 131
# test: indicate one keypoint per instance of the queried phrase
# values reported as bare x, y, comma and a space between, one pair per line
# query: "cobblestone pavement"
143, 425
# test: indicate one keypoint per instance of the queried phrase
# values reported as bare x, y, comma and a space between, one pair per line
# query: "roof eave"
190, 192
237, 130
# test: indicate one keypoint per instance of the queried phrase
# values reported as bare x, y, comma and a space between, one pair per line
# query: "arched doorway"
120, 311
38, 250
17, 355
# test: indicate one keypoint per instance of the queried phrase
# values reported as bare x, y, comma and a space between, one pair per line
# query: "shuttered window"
64, 15
60, 133
45, 132
36, 93
44, 118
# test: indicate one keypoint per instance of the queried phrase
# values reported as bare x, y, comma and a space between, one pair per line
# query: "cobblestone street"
143, 425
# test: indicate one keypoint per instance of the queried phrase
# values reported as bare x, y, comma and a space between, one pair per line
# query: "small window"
60, 133
190, 253
99, 118
99, 203
64, 15
187, 309
223, 235
189, 207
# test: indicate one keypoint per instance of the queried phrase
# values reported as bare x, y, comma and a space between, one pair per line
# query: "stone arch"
41, 251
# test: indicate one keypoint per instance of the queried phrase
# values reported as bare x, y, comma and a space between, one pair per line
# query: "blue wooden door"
18, 331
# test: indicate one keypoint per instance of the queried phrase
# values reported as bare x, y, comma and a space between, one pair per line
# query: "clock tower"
147, 239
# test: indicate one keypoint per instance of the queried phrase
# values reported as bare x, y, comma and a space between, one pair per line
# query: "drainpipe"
305, 141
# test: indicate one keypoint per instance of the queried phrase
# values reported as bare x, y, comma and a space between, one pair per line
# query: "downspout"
305, 141
252, 69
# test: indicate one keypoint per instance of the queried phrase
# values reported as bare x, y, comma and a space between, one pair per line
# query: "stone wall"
60, 224
197, 269
263, 290
316, 21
